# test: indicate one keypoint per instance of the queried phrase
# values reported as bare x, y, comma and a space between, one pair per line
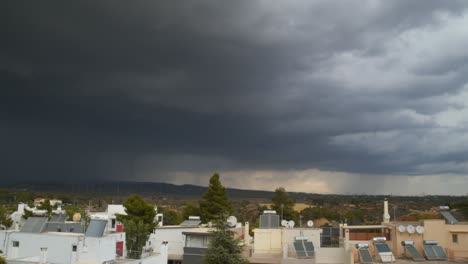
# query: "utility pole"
394, 213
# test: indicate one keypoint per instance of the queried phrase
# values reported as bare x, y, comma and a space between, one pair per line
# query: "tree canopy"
137, 210
190, 209
5, 217
45, 205
283, 203
224, 248
138, 223
215, 201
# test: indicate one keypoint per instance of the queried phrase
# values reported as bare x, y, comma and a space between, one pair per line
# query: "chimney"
246, 234
43, 255
386, 215
164, 252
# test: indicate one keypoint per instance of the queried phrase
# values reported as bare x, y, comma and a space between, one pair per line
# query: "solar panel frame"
440, 252
449, 218
365, 256
190, 223
96, 228
429, 252
300, 251
34, 225
309, 248
382, 247
414, 253
59, 218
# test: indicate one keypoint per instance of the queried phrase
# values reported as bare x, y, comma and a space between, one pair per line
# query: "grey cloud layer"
140, 90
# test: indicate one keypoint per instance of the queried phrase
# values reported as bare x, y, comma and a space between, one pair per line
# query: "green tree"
2, 260
215, 201
27, 213
136, 237
45, 206
139, 223
138, 209
190, 210
224, 248
5, 217
283, 204
171, 217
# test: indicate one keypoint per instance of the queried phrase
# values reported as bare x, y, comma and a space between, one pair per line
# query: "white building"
33, 244
177, 235
110, 215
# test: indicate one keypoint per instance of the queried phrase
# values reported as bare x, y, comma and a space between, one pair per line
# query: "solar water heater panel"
429, 252
411, 250
300, 251
365, 256
309, 247
382, 247
440, 252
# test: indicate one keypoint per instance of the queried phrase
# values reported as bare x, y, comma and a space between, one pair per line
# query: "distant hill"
125, 188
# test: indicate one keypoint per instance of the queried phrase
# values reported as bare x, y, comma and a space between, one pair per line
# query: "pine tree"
215, 201
283, 204
224, 248
138, 223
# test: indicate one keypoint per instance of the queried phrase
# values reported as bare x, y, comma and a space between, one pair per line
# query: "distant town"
130, 222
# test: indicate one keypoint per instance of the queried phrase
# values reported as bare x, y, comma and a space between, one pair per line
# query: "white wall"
97, 250
174, 237
59, 247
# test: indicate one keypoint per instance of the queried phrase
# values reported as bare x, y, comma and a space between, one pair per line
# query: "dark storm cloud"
137, 91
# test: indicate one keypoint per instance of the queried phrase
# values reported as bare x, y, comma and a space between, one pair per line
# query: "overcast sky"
316, 96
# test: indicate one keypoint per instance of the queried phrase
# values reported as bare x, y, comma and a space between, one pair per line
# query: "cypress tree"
224, 248
215, 201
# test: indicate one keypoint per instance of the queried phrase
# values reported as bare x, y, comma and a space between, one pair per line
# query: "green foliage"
136, 237
224, 248
461, 206
71, 210
2, 260
5, 217
45, 206
319, 212
283, 203
27, 213
171, 217
190, 210
137, 210
215, 201
138, 223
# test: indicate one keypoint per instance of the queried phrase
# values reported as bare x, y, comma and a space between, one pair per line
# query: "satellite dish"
76, 217
387, 217
401, 228
291, 223
232, 221
420, 229
310, 223
410, 229
284, 223
287, 225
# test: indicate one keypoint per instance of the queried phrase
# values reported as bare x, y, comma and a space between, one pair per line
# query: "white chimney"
164, 252
246, 234
43, 255
386, 215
